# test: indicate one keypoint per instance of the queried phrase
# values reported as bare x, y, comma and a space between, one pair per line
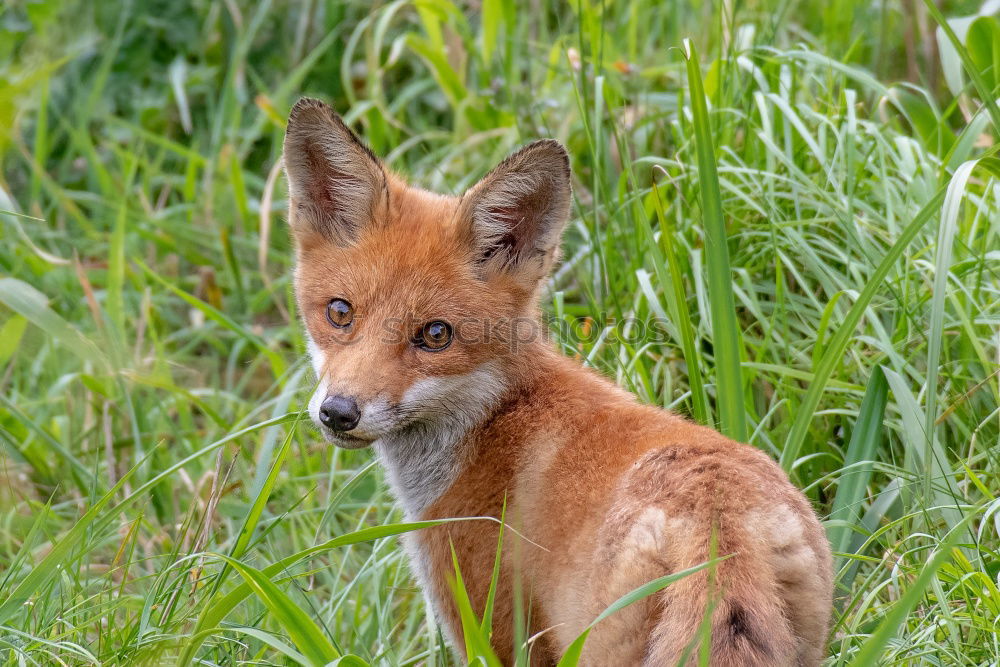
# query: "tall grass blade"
725, 326
942, 270
673, 289
477, 637
858, 464
487, 624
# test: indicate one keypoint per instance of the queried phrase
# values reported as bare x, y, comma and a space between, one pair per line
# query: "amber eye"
339, 313
434, 336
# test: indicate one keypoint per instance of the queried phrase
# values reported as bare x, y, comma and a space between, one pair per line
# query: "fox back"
423, 327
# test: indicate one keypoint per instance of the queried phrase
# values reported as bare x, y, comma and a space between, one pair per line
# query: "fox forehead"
411, 264
391, 273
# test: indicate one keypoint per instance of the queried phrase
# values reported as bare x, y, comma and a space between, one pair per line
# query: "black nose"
339, 413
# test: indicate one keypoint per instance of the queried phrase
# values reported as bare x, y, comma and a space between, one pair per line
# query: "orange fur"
605, 493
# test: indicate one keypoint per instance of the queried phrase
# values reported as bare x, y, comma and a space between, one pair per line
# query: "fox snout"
349, 421
339, 413
349, 413
338, 417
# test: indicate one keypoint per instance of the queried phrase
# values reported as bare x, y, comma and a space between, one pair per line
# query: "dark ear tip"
310, 107
549, 143
551, 149
553, 145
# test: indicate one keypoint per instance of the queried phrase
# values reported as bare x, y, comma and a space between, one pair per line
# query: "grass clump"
160, 497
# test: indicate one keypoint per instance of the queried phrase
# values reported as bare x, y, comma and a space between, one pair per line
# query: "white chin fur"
422, 460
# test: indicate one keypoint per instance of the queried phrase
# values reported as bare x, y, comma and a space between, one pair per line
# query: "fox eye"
434, 336
339, 313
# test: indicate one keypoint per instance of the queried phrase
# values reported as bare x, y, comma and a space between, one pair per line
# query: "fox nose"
339, 413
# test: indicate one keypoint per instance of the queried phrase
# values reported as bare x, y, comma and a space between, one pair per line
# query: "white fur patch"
318, 360
648, 532
422, 460
316, 355
783, 533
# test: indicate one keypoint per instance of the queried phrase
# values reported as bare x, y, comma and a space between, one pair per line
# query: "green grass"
810, 205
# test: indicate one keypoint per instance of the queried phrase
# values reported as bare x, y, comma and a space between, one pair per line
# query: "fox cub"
423, 328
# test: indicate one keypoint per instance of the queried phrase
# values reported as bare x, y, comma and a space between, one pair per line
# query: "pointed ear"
515, 216
336, 185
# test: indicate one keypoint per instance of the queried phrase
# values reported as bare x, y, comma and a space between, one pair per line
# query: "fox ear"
515, 216
336, 185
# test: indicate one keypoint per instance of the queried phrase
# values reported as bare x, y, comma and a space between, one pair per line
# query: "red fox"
412, 302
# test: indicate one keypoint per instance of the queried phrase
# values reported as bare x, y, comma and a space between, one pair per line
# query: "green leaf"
935, 334
81, 475
349, 661
24, 299
983, 42
487, 624
275, 643
672, 283
477, 640
922, 116
492, 13
303, 631
10, 336
442, 71
986, 95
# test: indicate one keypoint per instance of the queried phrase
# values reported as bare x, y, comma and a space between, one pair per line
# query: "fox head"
414, 302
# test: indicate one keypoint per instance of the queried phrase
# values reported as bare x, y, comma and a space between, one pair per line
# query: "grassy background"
832, 295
